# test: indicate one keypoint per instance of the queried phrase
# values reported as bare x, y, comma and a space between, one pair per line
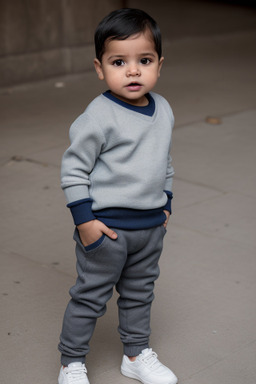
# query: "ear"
98, 69
160, 65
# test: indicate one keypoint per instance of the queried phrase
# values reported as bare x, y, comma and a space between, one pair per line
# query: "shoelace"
76, 374
149, 358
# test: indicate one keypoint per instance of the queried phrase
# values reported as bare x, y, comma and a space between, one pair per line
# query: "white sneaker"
74, 373
148, 369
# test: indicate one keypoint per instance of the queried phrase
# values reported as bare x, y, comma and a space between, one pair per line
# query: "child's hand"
92, 230
167, 214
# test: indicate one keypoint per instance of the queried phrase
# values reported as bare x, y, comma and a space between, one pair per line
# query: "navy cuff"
81, 211
168, 205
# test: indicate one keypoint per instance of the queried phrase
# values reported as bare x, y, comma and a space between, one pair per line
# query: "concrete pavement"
204, 315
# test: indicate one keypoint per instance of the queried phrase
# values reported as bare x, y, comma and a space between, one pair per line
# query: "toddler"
117, 178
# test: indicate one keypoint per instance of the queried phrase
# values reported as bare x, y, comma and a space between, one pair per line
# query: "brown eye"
118, 63
145, 61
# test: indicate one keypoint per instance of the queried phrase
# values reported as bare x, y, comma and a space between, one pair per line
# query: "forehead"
140, 42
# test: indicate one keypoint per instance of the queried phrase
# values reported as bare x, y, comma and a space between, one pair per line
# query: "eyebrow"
115, 57
149, 54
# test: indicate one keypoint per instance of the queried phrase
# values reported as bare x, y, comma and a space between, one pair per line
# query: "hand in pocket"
91, 231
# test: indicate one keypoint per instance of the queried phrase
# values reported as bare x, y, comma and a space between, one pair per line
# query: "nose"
133, 70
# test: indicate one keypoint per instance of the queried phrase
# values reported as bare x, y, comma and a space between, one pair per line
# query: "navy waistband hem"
130, 218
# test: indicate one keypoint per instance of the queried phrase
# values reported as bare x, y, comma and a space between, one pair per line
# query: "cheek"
152, 77
113, 79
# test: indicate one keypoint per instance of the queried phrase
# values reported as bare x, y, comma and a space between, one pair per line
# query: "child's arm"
92, 230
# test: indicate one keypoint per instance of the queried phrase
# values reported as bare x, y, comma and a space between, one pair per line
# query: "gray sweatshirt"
118, 166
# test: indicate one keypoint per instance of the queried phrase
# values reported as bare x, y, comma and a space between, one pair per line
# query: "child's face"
130, 67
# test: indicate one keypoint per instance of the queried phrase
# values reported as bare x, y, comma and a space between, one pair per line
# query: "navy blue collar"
147, 110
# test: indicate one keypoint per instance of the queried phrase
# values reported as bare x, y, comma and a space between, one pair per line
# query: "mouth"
134, 86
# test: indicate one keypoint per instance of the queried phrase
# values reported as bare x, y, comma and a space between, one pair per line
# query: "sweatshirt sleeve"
169, 175
86, 141
168, 185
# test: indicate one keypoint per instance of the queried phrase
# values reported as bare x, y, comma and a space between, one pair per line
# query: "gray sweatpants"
130, 264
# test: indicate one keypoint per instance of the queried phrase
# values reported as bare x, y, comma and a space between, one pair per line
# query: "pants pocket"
91, 247
164, 230
96, 244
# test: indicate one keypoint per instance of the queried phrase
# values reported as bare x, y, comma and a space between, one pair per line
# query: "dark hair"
121, 24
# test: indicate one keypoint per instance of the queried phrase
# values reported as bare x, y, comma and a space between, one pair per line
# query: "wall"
44, 38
